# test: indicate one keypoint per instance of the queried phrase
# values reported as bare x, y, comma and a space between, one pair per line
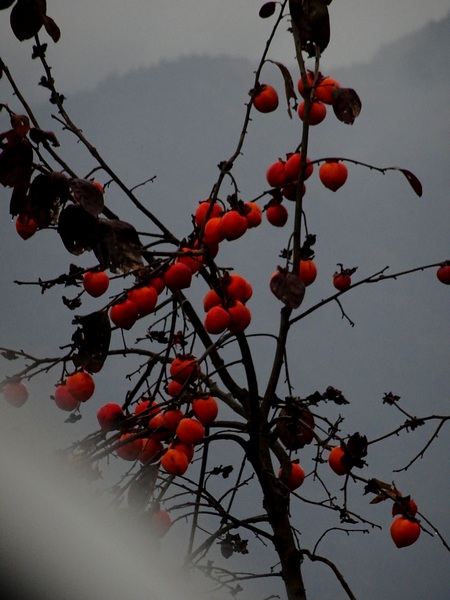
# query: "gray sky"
144, 33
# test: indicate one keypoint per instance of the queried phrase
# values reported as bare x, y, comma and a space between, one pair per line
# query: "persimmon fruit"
317, 112
110, 416
184, 369
151, 450
26, 226
308, 271
277, 214
342, 281
130, 450
333, 174
265, 98
216, 320
64, 399
161, 523
240, 316
296, 477
275, 174
336, 463
404, 531
124, 314
324, 89
81, 385
190, 431
145, 299
205, 410
443, 274
233, 225
206, 210
178, 277
15, 393
95, 283
174, 462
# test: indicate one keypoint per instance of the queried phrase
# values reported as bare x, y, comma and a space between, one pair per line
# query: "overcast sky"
107, 36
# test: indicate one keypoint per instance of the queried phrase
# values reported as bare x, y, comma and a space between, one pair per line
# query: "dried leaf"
346, 104
119, 247
20, 125
288, 288
78, 229
92, 340
51, 28
26, 18
38, 136
5, 3
313, 23
16, 164
411, 178
88, 195
47, 194
288, 85
267, 10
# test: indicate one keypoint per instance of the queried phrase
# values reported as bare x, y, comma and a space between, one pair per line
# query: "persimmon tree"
200, 425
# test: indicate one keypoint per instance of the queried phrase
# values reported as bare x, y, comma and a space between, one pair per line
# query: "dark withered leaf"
226, 548
119, 247
78, 229
288, 288
88, 195
411, 179
16, 164
92, 340
288, 86
313, 23
71, 303
48, 192
51, 28
346, 104
5, 3
38, 136
9, 355
267, 10
26, 18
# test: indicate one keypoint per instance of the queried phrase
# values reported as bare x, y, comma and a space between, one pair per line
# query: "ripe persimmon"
95, 283
172, 417
324, 89
205, 409
296, 476
265, 98
212, 233
342, 281
253, 214
300, 84
178, 277
240, 316
308, 271
317, 112
174, 462
233, 225
335, 460
64, 399
145, 298
158, 283
275, 174
236, 287
183, 369
81, 385
206, 210
404, 506
190, 431
26, 226
161, 522
187, 449
211, 299
15, 393
110, 416
174, 388
404, 531
129, 450
333, 174
443, 274
124, 314
292, 168
277, 214
216, 320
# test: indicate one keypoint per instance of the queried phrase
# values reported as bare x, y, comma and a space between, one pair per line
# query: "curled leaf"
51, 28
47, 194
346, 104
288, 85
92, 340
411, 178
